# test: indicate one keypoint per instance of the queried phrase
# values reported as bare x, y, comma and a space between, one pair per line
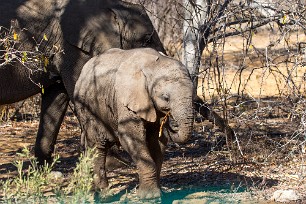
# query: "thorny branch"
284, 25
11, 51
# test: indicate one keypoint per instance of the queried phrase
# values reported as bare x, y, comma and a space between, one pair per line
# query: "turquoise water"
216, 194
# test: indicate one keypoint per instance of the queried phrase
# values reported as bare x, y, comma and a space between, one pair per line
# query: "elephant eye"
163, 102
165, 97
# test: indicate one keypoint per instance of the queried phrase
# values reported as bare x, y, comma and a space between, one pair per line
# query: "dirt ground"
203, 170
267, 155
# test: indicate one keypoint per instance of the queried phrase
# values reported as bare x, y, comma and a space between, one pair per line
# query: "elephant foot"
103, 196
100, 184
44, 161
149, 193
43, 158
101, 187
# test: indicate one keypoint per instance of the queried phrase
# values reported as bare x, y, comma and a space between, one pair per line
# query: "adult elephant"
76, 31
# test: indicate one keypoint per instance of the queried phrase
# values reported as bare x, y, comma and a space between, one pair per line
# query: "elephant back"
35, 19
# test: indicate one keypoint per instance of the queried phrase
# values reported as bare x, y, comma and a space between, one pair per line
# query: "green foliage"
37, 185
29, 185
81, 181
12, 50
10, 41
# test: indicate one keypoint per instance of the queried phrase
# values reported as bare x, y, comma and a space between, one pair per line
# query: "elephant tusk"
162, 123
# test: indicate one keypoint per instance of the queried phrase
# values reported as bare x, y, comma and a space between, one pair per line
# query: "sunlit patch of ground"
265, 71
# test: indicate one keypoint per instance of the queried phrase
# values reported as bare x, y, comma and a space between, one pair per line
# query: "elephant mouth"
173, 125
176, 128
172, 134
171, 128
170, 123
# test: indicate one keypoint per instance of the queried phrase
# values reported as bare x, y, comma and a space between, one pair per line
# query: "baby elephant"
139, 98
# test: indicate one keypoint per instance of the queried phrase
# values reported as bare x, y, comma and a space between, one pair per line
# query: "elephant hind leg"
53, 108
95, 136
100, 178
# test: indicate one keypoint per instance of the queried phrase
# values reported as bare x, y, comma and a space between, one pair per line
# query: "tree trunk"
195, 14
195, 18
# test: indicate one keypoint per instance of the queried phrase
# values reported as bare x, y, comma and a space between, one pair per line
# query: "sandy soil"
264, 71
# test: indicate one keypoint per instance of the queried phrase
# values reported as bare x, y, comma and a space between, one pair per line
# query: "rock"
285, 196
198, 195
56, 175
191, 201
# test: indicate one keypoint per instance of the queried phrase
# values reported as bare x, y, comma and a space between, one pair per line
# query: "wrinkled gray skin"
122, 96
83, 29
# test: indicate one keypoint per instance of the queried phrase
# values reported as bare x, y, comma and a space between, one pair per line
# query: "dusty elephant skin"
81, 29
123, 96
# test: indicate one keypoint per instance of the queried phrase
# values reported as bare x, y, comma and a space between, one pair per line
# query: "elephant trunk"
181, 122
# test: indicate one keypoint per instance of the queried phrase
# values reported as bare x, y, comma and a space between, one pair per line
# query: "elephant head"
159, 88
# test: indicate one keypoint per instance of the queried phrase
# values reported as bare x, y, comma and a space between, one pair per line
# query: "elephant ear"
132, 90
89, 31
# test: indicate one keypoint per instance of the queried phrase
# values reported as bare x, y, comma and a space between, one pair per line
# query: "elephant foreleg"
53, 108
157, 146
133, 140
